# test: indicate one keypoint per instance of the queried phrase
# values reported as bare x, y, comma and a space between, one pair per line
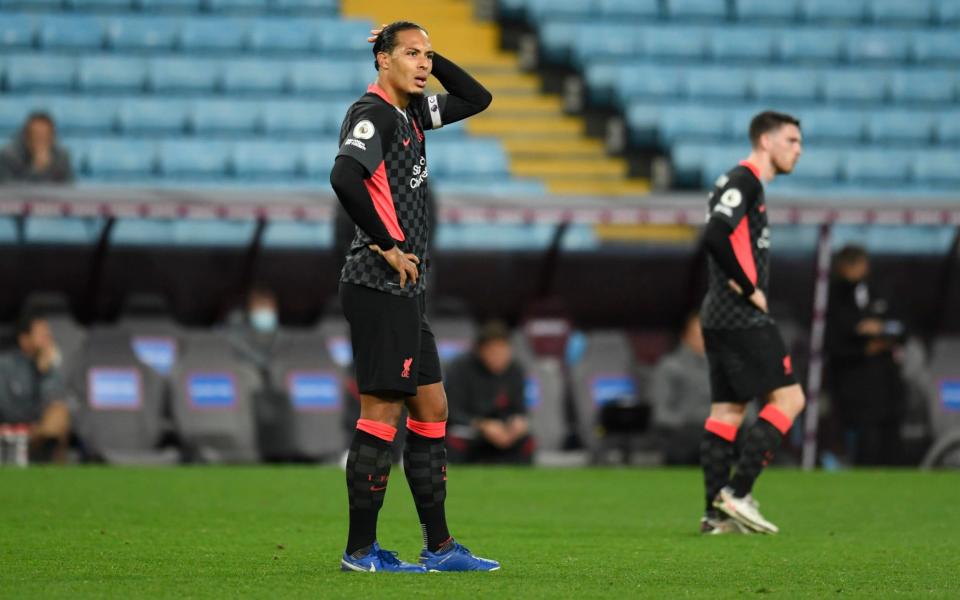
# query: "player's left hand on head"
375, 33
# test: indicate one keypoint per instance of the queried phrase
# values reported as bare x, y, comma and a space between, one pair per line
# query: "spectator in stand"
32, 394
864, 377
33, 155
680, 397
486, 391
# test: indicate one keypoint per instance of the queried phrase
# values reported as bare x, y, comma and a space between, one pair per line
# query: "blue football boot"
378, 559
454, 557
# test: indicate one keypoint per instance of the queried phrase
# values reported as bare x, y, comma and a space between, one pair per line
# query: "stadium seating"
158, 92
864, 76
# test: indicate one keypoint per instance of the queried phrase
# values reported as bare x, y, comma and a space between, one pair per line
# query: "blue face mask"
263, 320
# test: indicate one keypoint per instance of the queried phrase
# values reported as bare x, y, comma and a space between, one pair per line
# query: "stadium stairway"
541, 140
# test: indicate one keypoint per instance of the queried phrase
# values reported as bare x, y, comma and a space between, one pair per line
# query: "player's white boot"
744, 510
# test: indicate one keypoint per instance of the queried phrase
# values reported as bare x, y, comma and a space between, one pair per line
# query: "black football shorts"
394, 349
747, 363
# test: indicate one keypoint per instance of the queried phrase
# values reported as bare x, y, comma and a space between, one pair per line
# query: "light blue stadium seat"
33, 5
831, 125
937, 169
717, 84
540, 9
111, 74
936, 47
318, 158
313, 7
621, 43
928, 87
152, 116
119, 159
325, 76
834, 11
467, 159
948, 128
281, 36
154, 34
221, 34
947, 12
785, 85
649, 82
817, 166
188, 6
877, 167
692, 123
742, 44
900, 127
27, 73
83, 115
911, 12
255, 76
231, 117
299, 118
713, 10
17, 31
634, 9
194, 159
184, 75
682, 43
808, 45
884, 46
73, 32
101, 5
13, 113
267, 160
765, 10
346, 36
244, 6
855, 86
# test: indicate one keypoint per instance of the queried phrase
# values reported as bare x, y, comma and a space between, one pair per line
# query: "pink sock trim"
377, 429
429, 430
775, 417
721, 429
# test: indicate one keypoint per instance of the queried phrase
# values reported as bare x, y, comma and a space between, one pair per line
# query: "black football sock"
425, 464
368, 470
716, 457
759, 446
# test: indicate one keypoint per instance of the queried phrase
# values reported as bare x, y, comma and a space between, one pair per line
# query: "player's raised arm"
465, 95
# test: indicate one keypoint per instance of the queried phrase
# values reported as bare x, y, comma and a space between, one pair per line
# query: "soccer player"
380, 177
746, 355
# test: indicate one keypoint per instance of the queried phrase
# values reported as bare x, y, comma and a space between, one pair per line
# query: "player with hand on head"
746, 354
380, 177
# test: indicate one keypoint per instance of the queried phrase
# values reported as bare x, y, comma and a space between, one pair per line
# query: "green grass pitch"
277, 532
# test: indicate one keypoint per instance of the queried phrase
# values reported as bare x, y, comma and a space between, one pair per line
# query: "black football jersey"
391, 146
737, 199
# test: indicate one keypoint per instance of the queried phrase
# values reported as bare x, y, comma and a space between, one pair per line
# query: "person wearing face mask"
32, 394
34, 156
864, 378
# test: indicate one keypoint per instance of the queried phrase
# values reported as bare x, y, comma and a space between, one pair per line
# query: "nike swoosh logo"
374, 488
406, 142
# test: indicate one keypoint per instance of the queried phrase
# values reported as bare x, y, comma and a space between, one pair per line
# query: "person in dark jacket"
34, 156
486, 389
864, 377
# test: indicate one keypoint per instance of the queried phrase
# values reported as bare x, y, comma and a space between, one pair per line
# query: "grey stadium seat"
545, 389
604, 374
212, 400
307, 424
945, 403
119, 416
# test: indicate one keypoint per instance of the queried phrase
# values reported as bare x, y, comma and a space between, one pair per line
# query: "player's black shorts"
394, 350
746, 363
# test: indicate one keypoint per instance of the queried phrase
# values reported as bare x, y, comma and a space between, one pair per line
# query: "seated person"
32, 391
33, 155
485, 390
680, 395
